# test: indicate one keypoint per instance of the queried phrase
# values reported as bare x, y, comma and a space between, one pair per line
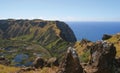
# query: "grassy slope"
83, 55
48, 37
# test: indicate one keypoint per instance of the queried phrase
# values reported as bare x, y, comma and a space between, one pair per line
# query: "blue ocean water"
93, 30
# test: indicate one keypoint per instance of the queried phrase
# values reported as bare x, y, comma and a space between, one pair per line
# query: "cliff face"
36, 30
66, 32
33, 38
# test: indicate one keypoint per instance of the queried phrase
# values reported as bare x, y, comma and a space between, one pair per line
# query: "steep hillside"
38, 30
31, 38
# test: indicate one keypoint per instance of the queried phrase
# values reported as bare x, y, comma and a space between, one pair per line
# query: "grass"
80, 47
118, 50
18, 47
8, 69
85, 57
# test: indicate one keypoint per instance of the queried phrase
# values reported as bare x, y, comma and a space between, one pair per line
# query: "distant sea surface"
93, 30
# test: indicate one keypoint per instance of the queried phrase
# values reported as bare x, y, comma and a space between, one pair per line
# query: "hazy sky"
66, 10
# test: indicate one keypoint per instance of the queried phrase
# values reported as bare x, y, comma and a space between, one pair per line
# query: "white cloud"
69, 18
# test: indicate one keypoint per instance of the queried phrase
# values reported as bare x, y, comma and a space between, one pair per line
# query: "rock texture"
102, 58
106, 36
65, 32
71, 63
4, 61
39, 62
115, 39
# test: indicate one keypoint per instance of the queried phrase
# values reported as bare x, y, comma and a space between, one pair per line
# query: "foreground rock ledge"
102, 58
71, 63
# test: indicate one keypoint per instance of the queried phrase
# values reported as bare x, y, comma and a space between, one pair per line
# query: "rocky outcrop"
118, 62
106, 36
4, 61
71, 63
102, 58
39, 63
117, 65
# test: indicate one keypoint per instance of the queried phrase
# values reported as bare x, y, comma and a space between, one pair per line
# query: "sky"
64, 10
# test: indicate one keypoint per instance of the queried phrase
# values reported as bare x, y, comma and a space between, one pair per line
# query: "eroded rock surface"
71, 63
39, 62
102, 58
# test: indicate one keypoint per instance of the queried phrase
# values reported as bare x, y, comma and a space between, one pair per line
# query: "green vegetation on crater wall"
34, 38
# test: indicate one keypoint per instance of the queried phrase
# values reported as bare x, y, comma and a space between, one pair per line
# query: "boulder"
106, 36
39, 62
4, 61
117, 65
71, 63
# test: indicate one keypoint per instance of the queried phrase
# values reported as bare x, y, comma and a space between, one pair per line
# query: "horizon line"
61, 20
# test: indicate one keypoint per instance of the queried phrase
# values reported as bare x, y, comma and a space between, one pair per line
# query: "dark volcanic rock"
4, 61
39, 62
106, 36
118, 62
71, 63
66, 32
117, 65
102, 58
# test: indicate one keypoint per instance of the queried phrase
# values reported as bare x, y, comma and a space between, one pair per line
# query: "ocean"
93, 31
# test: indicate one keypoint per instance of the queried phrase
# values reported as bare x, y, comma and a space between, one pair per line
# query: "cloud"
70, 18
